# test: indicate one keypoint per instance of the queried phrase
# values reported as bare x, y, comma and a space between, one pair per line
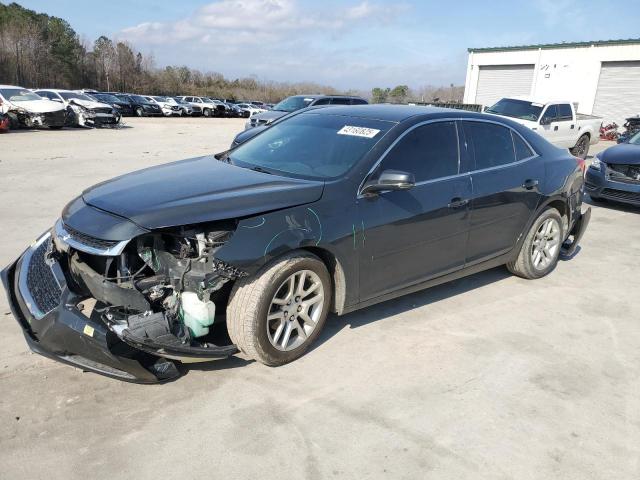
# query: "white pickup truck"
558, 122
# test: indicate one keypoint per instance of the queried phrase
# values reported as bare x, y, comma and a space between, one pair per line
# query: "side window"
491, 144
550, 114
341, 101
322, 101
522, 149
358, 101
429, 152
564, 112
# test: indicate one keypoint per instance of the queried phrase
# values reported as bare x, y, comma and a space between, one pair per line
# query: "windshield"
103, 97
292, 104
139, 99
517, 109
180, 100
19, 95
311, 145
635, 140
79, 96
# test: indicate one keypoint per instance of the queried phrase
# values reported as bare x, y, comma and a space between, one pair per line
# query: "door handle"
530, 184
458, 202
555, 129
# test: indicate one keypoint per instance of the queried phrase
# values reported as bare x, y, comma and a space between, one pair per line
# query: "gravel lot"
487, 377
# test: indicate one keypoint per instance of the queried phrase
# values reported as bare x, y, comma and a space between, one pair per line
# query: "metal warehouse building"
602, 77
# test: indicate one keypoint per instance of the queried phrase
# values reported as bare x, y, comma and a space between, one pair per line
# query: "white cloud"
283, 40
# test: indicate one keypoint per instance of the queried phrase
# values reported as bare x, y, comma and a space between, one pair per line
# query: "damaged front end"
79, 115
21, 117
125, 308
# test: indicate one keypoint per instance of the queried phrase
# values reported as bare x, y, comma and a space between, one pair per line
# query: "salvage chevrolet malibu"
330, 210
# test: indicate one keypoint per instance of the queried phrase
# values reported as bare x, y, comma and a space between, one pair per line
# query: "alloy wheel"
546, 244
295, 310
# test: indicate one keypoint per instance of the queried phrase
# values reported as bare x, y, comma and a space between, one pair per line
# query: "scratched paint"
319, 224
261, 223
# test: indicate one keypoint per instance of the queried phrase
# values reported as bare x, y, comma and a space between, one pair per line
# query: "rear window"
522, 149
564, 112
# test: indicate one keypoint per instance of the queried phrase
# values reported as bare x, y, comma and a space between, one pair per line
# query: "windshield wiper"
224, 157
261, 170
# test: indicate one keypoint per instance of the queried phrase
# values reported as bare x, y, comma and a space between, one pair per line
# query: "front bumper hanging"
54, 325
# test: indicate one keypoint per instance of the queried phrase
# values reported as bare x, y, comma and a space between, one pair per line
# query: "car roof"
392, 113
13, 86
316, 96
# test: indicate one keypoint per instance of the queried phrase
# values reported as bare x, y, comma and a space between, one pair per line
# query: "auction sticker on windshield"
358, 131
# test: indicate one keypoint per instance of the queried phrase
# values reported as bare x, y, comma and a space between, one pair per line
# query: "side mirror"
545, 121
389, 180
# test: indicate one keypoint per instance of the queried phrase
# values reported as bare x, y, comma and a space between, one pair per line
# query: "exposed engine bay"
161, 291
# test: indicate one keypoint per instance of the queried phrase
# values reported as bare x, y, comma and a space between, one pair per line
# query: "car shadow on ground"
409, 302
335, 324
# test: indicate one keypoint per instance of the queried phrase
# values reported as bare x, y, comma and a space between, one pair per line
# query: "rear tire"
259, 317
540, 249
206, 112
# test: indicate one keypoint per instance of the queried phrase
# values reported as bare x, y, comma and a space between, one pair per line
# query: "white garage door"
618, 95
498, 81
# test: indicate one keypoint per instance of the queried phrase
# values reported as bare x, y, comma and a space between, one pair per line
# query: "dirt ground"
488, 377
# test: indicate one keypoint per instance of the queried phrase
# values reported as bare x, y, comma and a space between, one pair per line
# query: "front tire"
540, 249
276, 315
206, 112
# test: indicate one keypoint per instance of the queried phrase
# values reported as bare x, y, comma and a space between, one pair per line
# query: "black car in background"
124, 106
298, 102
141, 106
331, 209
614, 174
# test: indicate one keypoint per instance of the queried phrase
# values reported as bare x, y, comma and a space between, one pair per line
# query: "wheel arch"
338, 278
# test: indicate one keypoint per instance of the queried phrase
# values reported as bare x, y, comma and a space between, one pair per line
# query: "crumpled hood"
88, 104
198, 190
39, 106
625, 154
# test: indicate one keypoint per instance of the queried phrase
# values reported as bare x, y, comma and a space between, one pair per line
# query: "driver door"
409, 236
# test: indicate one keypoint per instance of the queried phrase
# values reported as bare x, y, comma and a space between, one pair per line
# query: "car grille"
103, 110
55, 119
621, 195
41, 283
196, 109
88, 240
624, 173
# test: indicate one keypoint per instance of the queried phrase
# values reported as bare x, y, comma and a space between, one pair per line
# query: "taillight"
581, 163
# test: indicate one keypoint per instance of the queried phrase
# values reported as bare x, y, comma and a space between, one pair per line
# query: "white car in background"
248, 107
557, 121
29, 109
168, 105
82, 110
207, 107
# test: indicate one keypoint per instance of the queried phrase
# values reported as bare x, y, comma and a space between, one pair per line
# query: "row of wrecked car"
24, 108
55, 108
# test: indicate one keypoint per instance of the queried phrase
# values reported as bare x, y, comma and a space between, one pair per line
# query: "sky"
350, 44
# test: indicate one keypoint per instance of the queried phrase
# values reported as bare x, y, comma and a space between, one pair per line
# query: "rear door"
567, 125
506, 175
409, 236
549, 127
